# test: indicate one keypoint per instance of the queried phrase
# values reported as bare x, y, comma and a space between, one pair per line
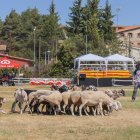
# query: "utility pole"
39, 54
56, 49
48, 55
129, 47
118, 10
34, 44
86, 39
45, 57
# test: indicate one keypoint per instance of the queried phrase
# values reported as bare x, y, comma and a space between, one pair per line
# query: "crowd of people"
101, 68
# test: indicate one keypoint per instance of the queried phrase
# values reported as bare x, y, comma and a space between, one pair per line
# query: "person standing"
136, 81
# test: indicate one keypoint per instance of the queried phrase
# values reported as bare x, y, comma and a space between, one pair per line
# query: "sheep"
72, 98
114, 93
83, 87
98, 98
91, 87
121, 92
34, 95
66, 99
75, 99
61, 89
77, 88
69, 97
2, 100
53, 99
20, 97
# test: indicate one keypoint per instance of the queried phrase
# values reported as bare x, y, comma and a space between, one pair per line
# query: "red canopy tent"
7, 63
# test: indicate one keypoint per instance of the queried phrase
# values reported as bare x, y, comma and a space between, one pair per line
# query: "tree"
92, 29
65, 63
107, 23
108, 31
93, 7
30, 19
1, 26
10, 30
51, 30
52, 8
75, 23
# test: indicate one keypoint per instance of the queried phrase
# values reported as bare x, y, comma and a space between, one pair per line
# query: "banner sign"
50, 81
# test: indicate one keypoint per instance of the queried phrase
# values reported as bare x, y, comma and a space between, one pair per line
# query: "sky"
126, 12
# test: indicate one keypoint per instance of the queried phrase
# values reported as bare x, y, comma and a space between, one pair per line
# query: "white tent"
119, 58
87, 57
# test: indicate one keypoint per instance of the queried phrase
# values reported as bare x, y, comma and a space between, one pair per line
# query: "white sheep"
98, 99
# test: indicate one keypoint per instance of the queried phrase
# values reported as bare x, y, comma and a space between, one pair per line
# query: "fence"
43, 81
121, 82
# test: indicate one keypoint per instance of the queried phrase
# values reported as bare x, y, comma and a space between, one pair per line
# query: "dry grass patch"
121, 125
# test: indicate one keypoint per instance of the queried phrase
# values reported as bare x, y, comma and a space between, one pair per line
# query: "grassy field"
120, 125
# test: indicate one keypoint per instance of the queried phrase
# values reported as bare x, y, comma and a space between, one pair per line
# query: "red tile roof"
14, 57
126, 28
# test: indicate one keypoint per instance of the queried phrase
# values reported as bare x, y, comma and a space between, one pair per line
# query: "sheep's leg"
84, 108
108, 110
80, 109
72, 109
25, 108
36, 107
59, 108
101, 109
20, 106
98, 110
13, 106
64, 108
50, 109
94, 111
30, 104
54, 110
76, 108
27, 103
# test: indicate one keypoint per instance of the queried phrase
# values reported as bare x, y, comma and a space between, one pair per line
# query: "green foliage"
65, 63
88, 27
1, 25
107, 24
75, 23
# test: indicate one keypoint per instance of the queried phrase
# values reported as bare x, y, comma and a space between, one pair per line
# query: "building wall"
22, 62
130, 37
134, 52
130, 41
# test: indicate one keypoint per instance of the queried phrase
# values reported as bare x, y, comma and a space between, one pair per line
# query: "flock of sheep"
81, 101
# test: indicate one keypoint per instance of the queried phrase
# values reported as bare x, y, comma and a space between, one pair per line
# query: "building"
2, 49
26, 63
130, 39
